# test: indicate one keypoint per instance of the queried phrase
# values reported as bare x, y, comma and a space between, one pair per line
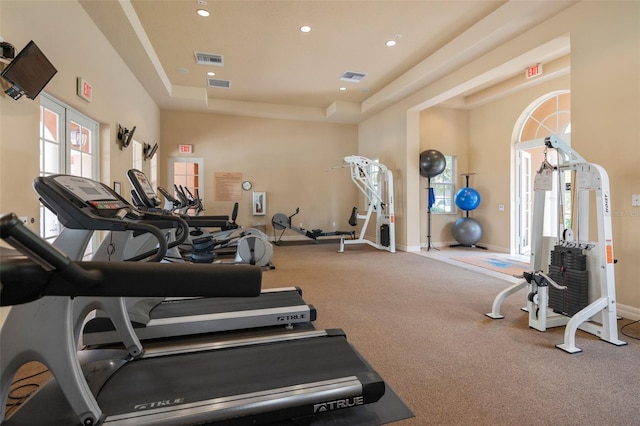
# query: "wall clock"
246, 185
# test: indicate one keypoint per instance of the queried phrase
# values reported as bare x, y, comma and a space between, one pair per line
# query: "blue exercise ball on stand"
467, 199
466, 230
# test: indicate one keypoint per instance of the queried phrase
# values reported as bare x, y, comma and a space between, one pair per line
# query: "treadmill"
247, 381
83, 206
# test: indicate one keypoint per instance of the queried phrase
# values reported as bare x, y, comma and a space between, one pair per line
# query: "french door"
68, 145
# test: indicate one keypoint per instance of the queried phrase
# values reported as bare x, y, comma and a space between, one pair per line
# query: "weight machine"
375, 181
580, 304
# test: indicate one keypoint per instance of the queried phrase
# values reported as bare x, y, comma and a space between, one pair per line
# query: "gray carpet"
421, 324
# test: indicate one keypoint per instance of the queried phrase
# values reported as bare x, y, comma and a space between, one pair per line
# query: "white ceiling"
276, 70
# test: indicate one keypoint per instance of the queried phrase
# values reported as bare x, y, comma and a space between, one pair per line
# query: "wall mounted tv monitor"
29, 72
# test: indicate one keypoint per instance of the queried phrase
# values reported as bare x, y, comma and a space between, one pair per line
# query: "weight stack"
385, 239
568, 268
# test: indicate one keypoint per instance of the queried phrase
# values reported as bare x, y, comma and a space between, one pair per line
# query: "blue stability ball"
467, 231
467, 198
432, 163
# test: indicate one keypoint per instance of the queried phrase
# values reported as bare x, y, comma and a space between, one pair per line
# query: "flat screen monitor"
29, 72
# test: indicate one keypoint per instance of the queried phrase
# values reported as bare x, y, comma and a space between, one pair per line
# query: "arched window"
549, 115
546, 116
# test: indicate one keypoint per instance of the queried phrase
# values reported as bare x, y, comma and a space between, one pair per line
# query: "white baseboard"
628, 312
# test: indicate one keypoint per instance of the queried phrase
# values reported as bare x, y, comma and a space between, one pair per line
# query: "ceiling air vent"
209, 59
219, 83
354, 77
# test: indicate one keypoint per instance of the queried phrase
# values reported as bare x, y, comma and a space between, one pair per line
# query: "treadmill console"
143, 188
93, 193
81, 202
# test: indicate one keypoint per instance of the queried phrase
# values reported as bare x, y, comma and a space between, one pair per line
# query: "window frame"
444, 188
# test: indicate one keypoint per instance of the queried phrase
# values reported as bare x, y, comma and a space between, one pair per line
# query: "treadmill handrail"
44, 254
52, 273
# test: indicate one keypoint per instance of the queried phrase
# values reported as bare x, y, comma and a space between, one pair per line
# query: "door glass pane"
86, 138
50, 225
86, 165
50, 158
180, 168
75, 163
50, 129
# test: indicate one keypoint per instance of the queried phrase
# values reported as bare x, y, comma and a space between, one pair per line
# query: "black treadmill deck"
206, 315
204, 386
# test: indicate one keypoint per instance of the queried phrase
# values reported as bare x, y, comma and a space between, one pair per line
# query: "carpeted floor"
420, 322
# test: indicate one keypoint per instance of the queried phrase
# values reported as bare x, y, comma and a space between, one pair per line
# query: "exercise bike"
282, 222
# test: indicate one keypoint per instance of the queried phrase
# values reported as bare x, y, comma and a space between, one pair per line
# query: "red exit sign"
185, 149
85, 91
534, 71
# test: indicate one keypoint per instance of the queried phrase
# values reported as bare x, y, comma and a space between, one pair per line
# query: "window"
153, 171
68, 144
137, 155
551, 115
374, 191
444, 188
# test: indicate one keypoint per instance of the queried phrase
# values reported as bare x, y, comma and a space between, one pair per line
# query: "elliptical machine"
251, 246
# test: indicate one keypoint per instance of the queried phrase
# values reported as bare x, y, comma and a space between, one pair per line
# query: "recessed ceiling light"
342, 89
305, 28
211, 73
390, 43
202, 12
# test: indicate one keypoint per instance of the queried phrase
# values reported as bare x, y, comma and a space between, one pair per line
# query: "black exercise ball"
432, 163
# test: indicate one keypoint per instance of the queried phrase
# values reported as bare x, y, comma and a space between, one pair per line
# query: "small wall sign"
185, 149
85, 90
534, 71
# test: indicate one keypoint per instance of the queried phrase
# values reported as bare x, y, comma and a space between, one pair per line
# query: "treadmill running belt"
203, 376
202, 306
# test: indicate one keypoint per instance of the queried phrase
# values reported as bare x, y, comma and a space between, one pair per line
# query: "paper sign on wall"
228, 186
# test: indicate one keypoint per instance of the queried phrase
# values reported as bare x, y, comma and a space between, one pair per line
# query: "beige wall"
289, 160
605, 83
491, 140
605, 64
445, 130
381, 141
118, 97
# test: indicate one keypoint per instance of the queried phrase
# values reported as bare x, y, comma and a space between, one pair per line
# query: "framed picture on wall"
259, 203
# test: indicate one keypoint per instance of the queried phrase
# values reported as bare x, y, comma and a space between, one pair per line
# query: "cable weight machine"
598, 314
375, 182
